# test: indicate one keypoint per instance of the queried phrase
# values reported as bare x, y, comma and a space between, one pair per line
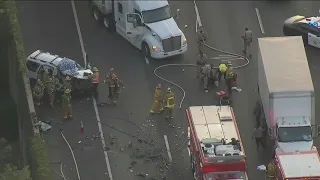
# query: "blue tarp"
68, 67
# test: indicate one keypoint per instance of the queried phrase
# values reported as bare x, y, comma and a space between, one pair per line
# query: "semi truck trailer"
286, 92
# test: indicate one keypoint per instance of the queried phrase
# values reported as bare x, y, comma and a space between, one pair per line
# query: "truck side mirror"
177, 14
318, 130
135, 23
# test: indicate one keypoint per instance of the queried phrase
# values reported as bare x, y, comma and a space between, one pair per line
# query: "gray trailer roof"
285, 64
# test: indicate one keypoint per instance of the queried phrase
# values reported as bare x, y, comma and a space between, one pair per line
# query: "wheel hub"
95, 15
106, 23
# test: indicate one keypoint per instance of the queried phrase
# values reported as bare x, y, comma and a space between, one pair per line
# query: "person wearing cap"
170, 103
247, 39
157, 100
206, 72
66, 105
200, 63
95, 79
201, 38
67, 83
38, 91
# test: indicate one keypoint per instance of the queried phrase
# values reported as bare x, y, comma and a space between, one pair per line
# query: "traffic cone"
81, 127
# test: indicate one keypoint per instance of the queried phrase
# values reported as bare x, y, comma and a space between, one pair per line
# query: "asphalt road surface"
51, 26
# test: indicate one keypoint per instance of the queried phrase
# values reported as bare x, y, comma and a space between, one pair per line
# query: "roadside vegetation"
10, 169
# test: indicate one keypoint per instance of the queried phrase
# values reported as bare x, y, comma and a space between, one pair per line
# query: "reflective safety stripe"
96, 78
170, 102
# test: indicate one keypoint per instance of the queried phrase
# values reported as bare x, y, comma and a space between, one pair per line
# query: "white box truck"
147, 24
286, 93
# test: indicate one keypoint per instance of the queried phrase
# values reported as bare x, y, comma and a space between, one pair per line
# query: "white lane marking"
168, 147
198, 20
259, 20
94, 101
102, 139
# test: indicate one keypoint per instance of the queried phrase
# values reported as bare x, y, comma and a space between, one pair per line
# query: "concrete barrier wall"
18, 81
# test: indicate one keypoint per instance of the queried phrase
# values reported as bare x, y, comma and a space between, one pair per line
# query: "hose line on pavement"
194, 65
198, 24
74, 158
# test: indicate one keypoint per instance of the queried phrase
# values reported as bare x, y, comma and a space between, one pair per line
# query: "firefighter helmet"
95, 69
168, 89
229, 64
67, 91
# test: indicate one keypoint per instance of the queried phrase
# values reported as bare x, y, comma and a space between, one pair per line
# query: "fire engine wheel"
96, 14
193, 168
108, 23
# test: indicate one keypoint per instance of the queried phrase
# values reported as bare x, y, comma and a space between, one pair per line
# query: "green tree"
9, 171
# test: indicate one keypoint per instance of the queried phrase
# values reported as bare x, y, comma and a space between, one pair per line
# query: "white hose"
74, 158
198, 22
61, 170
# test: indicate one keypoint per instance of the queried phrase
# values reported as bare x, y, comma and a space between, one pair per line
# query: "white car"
60, 66
307, 27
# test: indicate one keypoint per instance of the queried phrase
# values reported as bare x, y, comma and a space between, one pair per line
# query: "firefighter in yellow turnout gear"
271, 171
38, 91
170, 103
157, 104
66, 104
67, 83
229, 77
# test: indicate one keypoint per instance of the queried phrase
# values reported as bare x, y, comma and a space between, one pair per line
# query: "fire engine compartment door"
226, 176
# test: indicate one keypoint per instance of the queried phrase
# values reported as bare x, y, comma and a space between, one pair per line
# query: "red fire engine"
298, 165
215, 145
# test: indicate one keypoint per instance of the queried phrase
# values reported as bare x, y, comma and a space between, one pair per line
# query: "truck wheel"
193, 168
96, 14
146, 51
108, 23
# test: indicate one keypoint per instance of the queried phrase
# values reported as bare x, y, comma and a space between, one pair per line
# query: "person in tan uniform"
247, 40
201, 38
200, 63
206, 72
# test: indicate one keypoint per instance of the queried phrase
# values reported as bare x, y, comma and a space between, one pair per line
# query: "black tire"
108, 23
146, 51
96, 14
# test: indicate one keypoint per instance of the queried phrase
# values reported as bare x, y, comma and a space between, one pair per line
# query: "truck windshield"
156, 15
291, 134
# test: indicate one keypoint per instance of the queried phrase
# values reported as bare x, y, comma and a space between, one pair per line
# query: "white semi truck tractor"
286, 92
146, 24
